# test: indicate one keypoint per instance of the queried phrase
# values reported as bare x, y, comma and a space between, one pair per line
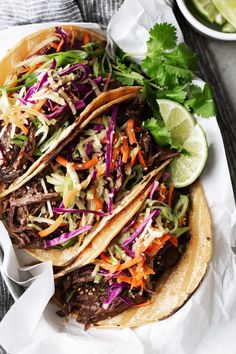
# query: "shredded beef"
25, 201
79, 294
16, 158
32, 199
87, 298
166, 258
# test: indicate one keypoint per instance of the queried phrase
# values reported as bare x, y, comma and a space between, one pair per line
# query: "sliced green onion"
180, 231
113, 259
97, 278
166, 213
181, 206
96, 270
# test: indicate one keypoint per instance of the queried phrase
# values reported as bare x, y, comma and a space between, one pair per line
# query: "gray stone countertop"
225, 54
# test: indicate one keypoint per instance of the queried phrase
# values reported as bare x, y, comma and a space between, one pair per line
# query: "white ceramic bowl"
201, 27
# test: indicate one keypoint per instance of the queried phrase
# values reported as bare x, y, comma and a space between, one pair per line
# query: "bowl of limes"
212, 18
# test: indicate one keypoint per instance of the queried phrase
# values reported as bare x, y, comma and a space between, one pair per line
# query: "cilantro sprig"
166, 72
167, 63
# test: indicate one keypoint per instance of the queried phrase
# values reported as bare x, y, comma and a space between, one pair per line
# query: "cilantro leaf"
155, 70
128, 78
162, 36
127, 75
160, 133
201, 101
178, 93
150, 96
166, 63
183, 56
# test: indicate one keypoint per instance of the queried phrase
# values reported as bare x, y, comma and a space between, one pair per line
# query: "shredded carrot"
170, 195
86, 165
105, 258
125, 150
72, 37
147, 303
101, 171
117, 256
130, 131
53, 45
61, 160
70, 196
86, 39
114, 157
174, 241
133, 140
39, 104
141, 160
33, 68
51, 228
157, 244
124, 278
78, 166
110, 267
136, 281
98, 202
163, 191
130, 263
58, 46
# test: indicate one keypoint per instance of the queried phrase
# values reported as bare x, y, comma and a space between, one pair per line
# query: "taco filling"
86, 182
46, 93
126, 273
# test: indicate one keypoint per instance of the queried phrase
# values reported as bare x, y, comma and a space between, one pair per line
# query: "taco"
148, 270
50, 82
108, 164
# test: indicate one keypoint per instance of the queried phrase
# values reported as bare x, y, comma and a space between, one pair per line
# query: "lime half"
227, 8
206, 8
185, 131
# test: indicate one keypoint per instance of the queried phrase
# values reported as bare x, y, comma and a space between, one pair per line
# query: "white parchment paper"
207, 322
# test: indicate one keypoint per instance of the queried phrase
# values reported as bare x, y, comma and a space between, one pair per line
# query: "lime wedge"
185, 131
228, 28
227, 8
206, 8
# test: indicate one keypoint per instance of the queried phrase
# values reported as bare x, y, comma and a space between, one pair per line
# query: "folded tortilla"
178, 283
28, 46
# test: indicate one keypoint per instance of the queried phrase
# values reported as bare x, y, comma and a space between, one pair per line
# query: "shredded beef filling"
15, 210
15, 159
78, 293
28, 200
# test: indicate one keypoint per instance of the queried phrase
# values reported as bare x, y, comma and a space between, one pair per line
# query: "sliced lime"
227, 8
228, 28
185, 131
219, 19
206, 9
187, 168
177, 120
